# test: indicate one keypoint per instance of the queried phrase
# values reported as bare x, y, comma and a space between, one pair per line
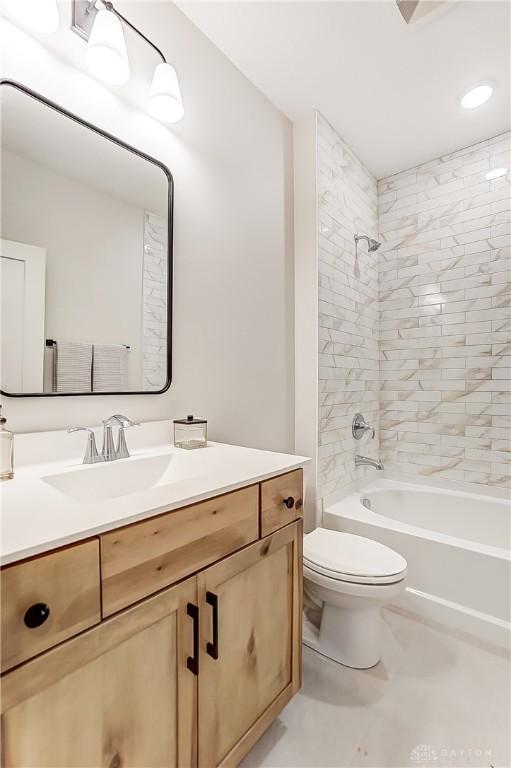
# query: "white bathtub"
457, 544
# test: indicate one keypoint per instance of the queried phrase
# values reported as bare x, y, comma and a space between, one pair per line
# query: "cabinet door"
250, 644
119, 695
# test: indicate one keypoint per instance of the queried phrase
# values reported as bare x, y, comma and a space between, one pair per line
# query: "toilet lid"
346, 557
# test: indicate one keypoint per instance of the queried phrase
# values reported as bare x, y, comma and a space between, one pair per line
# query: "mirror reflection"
84, 257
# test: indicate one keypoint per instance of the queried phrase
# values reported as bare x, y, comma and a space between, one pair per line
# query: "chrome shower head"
372, 245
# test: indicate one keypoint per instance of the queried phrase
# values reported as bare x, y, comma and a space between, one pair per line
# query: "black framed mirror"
85, 256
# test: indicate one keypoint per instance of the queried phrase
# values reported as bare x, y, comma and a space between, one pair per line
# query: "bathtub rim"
431, 482
352, 508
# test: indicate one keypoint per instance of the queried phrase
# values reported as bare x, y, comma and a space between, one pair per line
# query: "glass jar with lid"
190, 433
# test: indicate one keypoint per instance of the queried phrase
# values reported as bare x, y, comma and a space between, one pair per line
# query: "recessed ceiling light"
496, 173
476, 96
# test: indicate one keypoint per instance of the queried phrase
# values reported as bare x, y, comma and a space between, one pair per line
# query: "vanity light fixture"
165, 102
37, 15
477, 96
101, 24
107, 54
496, 173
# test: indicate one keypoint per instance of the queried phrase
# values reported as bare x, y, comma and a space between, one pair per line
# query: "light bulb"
165, 102
107, 55
476, 96
38, 15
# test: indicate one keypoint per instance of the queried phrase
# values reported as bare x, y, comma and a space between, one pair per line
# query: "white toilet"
350, 578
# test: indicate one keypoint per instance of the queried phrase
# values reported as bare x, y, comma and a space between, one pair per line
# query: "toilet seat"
344, 557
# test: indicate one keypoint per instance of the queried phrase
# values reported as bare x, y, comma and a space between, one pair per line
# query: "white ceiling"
391, 90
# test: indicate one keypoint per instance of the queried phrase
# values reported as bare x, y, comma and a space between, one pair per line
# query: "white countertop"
37, 517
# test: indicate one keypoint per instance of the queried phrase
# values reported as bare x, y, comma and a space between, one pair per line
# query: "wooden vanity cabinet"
250, 663
47, 600
120, 695
190, 677
281, 501
142, 558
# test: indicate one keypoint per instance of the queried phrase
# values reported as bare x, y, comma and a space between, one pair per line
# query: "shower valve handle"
360, 426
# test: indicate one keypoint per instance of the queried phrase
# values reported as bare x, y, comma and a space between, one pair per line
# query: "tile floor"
436, 699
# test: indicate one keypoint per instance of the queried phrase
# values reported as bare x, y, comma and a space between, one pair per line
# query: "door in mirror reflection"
85, 256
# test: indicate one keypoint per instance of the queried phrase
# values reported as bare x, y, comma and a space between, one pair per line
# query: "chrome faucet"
365, 461
109, 452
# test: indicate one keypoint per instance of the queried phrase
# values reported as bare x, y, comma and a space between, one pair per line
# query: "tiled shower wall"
348, 308
444, 316
422, 348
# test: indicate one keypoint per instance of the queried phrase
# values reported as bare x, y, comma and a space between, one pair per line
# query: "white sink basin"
99, 482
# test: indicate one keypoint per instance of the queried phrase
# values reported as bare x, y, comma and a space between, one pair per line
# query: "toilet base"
348, 614
349, 636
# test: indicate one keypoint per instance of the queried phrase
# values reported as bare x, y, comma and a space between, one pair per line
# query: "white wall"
231, 158
306, 303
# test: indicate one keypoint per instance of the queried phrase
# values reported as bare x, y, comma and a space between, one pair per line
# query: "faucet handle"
360, 426
91, 452
122, 448
121, 421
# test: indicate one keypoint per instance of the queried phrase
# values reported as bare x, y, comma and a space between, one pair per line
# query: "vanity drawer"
281, 501
47, 600
148, 556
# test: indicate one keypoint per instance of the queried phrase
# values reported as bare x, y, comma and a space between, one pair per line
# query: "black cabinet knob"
36, 615
289, 502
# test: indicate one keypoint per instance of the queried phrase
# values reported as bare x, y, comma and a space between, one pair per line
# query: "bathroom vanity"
151, 605
162, 638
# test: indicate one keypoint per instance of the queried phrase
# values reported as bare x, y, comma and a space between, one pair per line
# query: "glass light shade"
476, 96
38, 15
165, 102
107, 55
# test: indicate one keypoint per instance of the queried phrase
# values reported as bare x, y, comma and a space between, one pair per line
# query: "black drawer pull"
212, 648
36, 615
289, 502
192, 662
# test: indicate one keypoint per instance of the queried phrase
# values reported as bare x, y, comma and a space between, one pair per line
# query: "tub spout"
365, 461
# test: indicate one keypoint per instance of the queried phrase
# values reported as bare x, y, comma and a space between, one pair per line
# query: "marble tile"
443, 247
348, 306
425, 320
154, 289
435, 700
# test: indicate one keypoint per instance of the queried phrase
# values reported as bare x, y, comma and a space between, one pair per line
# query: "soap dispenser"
6, 450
